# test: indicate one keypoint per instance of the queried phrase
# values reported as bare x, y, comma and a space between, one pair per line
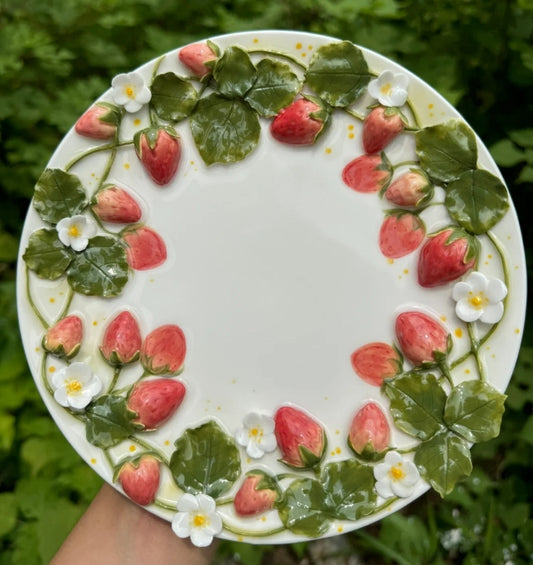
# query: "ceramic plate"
278, 301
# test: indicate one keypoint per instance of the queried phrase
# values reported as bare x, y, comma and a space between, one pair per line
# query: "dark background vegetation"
57, 56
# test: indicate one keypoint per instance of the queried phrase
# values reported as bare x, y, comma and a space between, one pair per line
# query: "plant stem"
475, 350
44, 375
66, 307
164, 505
36, 311
251, 533
94, 150
116, 375
149, 447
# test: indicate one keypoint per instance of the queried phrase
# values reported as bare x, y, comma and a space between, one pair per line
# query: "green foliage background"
57, 56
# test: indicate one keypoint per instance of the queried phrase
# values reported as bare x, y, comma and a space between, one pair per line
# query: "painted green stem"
251, 533
145, 445
36, 311
99, 149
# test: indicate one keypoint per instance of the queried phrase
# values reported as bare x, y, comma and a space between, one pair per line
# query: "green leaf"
46, 256
173, 98
109, 421
417, 404
338, 73
275, 87
303, 508
205, 460
506, 153
58, 195
474, 410
350, 489
446, 150
8, 512
234, 72
443, 461
225, 131
522, 137
477, 200
101, 269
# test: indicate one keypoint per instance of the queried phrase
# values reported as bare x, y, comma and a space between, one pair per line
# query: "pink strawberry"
159, 150
257, 494
99, 121
121, 343
155, 401
145, 248
195, 57
368, 173
369, 432
64, 338
301, 439
163, 350
400, 234
380, 127
140, 479
446, 255
421, 338
375, 362
300, 123
115, 205
412, 189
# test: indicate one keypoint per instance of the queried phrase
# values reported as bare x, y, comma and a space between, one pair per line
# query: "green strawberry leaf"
205, 460
58, 195
234, 73
477, 200
173, 98
224, 131
474, 410
100, 269
349, 486
275, 87
109, 421
447, 150
444, 460
46, 256
303, 508
417, 404
338, 73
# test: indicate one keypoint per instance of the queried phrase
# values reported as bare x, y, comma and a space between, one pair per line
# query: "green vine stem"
44, 374
67, 304
251, 533
475, 351
98, 149
164, 505
116, 375
145, 445
29, 296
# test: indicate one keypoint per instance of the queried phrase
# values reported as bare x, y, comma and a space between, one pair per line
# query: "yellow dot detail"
328, 151
430, 106
338, 450
256, 40
340, 529
458, 332
52, 300
136, 122
467, 371
350, 127
133, 448
93, 461
298, 46
390, 261
406, 271
126, 166
351, 135
52, 369
517, 331
167, 442
95, 323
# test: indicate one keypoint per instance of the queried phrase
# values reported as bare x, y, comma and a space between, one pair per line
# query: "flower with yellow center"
197, 518
390, 89
256, 435
75, 386
76, 231
480, 298
129, 90
396, 476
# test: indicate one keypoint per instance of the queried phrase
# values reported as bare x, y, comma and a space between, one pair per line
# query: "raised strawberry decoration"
400, 234
121, 343
99, 121
159, 150
145, 248
446, 256
140, 478
412, 189
369, 433
375, 362
380, 127
115, 205
300, 123
368, 173
196, 56
163, 350
63, 339
257, 494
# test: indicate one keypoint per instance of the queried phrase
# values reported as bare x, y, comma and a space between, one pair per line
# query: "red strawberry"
422, 339
195, 57
99, 121
446, 255
257, 494
163, 350
159, 150
400, 234
140, 479
369, 432
145, 248
155, 401
411, 189
300, 123
301, 439
368, 173
380, 127
115, 205
375, 362
64, 338
122, 340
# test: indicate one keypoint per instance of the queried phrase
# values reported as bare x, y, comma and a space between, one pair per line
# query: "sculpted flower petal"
396, 476
129, 90
492, 313
256, 435
75, 386
389, 88
76, 231
197, 518
479, 298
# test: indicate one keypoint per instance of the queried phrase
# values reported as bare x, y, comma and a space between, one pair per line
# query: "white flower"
479, 298
197, 518
76, 231
256, 435
396, 476
75, 386
389, 88
130, 91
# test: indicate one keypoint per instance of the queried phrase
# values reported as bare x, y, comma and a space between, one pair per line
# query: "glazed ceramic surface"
270, 264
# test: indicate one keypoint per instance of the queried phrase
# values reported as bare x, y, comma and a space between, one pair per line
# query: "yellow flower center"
200, 520
73, 386
256, 433
397, 473
477, 301
74, 231
386, 89
130, 92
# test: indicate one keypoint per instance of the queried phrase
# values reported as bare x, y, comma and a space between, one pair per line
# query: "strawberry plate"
272, 287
